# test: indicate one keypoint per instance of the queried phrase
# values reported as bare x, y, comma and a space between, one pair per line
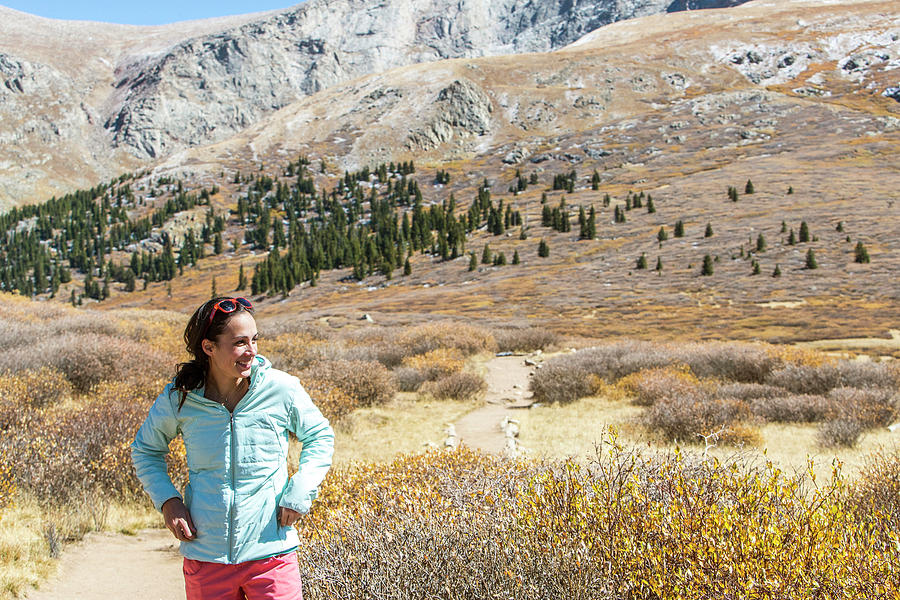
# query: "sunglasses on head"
226, 305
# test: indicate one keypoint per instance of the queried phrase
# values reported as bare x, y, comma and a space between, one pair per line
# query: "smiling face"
232, 353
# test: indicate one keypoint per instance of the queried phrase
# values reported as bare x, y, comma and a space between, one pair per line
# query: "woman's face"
232, 353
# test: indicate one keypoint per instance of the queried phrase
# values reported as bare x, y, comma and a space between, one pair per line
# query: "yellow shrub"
37, 388
7, 486
438, 363
649, 385
462, 524
334, 403
794, 355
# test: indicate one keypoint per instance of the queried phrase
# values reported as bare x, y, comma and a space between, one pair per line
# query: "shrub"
61, 453
334, 403
805, 379
38, 388
292, 326
819, 379
561, 379
649, 386
688, 417
877, 489
841, 431
798, 408
87, 359
435, 364
408, 379
748, 391
7, 486
467, 339
524, 339
626, 524
367, 382
732, 361
872, 407
458, 386
295, 352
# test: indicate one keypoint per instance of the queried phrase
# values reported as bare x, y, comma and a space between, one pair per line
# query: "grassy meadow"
618, 494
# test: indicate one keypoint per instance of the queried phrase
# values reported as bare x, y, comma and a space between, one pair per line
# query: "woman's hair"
192, 374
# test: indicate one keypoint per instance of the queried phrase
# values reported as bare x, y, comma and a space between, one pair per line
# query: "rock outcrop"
207, 88
461, 110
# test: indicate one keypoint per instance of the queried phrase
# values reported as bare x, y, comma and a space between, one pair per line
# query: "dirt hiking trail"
111, 566
147, 566
507, 379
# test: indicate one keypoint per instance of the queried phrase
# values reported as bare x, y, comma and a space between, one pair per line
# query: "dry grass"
556, 430
574, 430
406, 424
32, 536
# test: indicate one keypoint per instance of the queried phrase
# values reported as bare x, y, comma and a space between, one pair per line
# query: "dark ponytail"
191, 375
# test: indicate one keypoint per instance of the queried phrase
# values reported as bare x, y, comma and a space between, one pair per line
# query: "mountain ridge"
91, 100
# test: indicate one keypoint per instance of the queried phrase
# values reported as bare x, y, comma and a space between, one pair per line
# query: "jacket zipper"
232, 520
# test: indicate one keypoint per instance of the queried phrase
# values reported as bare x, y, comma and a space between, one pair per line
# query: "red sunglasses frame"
239, 300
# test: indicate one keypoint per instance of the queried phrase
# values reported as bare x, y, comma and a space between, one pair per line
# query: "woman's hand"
178, 520
287, 516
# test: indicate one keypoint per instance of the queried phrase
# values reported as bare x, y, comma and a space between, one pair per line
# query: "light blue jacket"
237, 463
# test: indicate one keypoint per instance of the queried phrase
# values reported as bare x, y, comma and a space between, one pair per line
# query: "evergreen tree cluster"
565, 181
43, 243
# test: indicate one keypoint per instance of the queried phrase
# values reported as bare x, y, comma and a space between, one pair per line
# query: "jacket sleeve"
317, 437
149, 449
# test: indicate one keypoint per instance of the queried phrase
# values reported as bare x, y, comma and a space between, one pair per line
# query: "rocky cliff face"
207, 88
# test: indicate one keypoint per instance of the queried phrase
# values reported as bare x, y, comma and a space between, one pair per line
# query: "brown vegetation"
697, 389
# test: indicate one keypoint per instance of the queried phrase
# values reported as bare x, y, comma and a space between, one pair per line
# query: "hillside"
81, 102
797, 98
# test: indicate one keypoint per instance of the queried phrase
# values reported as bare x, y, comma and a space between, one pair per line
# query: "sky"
152, 12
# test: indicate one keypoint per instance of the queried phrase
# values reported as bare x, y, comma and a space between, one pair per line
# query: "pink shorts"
275, 578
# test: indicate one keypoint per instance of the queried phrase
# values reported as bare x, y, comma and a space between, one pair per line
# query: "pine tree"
242, 278
840, 227
804, 232
218, 244
790, 189
641, 261
595, 181
500, 259
811, 260
662, 235
777, 271
651, 208
679, 229
407, 268
543, 249
792, 238
760, 243
473, 262
861, 254
756, 268
486, 255
659, 265
707, 265
748, 188
783, 227
709, 231
516, 260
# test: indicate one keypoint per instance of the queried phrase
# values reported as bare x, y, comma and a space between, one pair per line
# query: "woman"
234, 412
